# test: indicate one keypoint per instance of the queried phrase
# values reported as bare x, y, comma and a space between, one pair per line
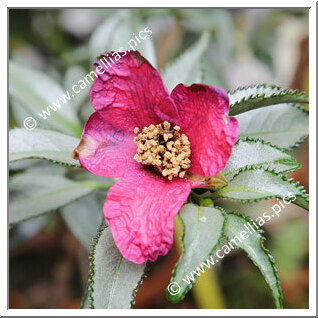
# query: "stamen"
163, 147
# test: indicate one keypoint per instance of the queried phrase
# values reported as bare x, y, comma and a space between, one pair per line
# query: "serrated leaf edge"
180, 297
143, 276
304, 194
301, 139
91, 281
267, 143
280, 93
47, 159
91, 274
266, 251
47, 211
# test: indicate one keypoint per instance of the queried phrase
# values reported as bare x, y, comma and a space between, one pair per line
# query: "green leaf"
33, 194
85, 303
248, 98
72, 76
186, 69
83, 218
113, 281
117, 31
257, 153
259, 184
23, 164
44, 167
200, 224
42, 144
102, 38
253, 245
284, 125
35, 91
221, 24
147, 49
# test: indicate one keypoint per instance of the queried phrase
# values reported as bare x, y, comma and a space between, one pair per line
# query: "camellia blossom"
159, 145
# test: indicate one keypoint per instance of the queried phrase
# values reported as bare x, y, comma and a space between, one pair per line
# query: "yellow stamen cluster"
163, 147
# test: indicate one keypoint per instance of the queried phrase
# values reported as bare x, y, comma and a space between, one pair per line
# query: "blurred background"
48, 263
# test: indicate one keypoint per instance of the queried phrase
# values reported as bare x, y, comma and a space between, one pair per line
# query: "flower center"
163, 147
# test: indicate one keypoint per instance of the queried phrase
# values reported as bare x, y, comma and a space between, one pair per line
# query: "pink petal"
131, 92
203, 117
105, 150
140, 210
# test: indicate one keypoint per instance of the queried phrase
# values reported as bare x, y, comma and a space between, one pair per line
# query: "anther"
164, 148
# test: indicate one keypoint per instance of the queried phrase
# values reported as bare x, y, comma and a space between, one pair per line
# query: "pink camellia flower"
159, 145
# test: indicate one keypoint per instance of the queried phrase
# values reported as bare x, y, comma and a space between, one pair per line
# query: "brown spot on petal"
101, 56
85, 148
197, 88
75, 154
137, 56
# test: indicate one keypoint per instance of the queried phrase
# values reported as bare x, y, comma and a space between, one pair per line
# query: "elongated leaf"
85, 303
259, 184
72, 76
113, 280
42, 144
220, 22
251, 97
147, 49
284, 125
252, 242
83, 218
35, 91
32, 194
201, 224
21, 165
257, 153
45, 167
103, 38
118, 32
186, 69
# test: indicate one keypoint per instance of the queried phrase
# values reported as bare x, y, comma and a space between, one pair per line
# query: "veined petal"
105, 150
203, 117
130, 93
140, 210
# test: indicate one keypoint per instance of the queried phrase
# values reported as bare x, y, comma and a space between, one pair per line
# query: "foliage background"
48, 264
